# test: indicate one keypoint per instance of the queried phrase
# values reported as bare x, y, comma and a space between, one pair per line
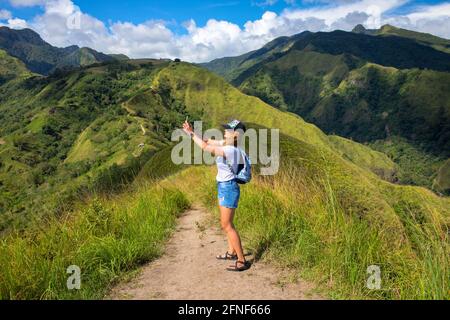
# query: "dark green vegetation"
90, 128
105, 238
119, 56
325, 213
423, 38
321, 213
104, 131
414, 165
366, 85
43, 58
442, 180
11, 68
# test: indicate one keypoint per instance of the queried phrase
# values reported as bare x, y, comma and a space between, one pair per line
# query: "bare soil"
189, 270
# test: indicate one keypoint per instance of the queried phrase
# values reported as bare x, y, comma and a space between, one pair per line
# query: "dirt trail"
189, 270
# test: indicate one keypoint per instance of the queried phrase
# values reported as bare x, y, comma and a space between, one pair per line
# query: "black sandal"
245, 266
227, 256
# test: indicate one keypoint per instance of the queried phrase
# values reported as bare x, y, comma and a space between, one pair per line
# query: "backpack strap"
241, 156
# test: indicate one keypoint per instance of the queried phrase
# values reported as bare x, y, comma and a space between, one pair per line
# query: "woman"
228, 159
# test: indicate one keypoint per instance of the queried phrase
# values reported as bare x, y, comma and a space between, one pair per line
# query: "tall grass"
105, 239
299, 221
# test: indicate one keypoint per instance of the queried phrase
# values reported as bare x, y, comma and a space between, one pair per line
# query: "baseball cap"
235, 125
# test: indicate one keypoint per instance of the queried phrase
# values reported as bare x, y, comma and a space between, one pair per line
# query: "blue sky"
172, 11
202, 30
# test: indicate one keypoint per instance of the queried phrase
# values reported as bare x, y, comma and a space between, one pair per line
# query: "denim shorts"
228, 194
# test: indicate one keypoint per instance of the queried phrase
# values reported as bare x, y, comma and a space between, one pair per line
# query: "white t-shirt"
233, 157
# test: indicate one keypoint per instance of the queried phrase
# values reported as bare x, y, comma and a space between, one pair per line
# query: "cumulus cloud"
264, 3
26, 3
5, 14
430, 19
14, 23
62, 23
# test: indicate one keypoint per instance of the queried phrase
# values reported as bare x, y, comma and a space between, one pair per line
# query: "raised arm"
213, 142
213, 148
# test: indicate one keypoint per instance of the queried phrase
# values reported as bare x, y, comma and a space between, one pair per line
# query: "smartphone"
187, 118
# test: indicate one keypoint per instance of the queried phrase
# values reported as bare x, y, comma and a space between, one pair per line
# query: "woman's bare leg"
230, 246
223, 221
226, 220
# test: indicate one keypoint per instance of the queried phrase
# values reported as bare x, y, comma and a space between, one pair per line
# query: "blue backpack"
244, 175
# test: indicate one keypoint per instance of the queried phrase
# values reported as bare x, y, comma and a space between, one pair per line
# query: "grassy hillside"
65, 134
424, 38
89, 129
441, 182
414, 165
325, 213
11, 68
231, 67
333, 236
368, 85
393, 51
404, 224
363, 101
105, 238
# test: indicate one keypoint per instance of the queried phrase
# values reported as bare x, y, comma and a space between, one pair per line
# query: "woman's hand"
213, 148
187, 128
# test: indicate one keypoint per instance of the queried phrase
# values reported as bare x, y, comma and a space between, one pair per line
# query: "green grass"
415, 167
304, 224
314, 216
66, 130
365, 87
326, 214
205, 92
442, 181
330, 220
38, 122
367, 158
263, 86
11, 68
106, 238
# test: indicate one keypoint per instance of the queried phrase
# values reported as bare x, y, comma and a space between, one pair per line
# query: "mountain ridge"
366, 85
425, 38
43, 58
76, 135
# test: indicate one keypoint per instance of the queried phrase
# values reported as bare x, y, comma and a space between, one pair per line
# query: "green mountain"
423, 38
11, 68
119, 56
105, 130
43, 58
77, 129
91, 126
366, 85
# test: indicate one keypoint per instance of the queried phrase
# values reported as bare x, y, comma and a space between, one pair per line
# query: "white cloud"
431, 19
17, 23
26, 3
333, 12
350, 20
62, 23
5, 14
264, 3
430, 12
